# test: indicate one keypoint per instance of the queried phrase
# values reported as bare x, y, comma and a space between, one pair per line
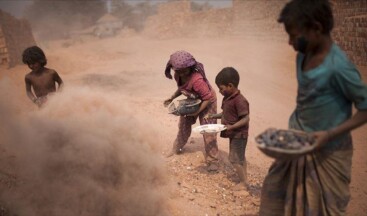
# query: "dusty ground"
134, 68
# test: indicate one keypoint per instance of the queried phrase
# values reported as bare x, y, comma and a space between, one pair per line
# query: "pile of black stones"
285, 139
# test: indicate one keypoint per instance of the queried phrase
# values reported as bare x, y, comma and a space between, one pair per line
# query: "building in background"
15, 36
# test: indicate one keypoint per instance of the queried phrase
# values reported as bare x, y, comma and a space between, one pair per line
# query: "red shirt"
197, 86
235, 107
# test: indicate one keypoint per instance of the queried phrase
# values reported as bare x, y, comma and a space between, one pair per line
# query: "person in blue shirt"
328, 86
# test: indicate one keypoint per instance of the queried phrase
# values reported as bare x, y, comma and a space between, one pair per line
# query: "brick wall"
351, 28
16, 36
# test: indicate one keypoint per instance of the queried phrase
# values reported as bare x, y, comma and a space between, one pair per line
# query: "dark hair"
303, 14
34, 54
226, 76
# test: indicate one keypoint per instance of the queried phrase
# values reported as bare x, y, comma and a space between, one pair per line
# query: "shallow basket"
209, 128
184, 107
282, 153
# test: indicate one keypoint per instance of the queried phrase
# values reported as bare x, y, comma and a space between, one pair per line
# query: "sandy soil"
134, 68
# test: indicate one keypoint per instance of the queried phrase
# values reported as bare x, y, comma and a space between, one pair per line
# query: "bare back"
42, 82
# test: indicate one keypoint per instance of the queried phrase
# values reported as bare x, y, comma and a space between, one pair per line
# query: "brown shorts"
237, 147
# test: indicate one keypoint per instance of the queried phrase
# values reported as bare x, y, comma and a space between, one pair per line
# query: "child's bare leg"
210, 140
184, 132
244, 167
211, 147
211, 152
242, 174
238, 160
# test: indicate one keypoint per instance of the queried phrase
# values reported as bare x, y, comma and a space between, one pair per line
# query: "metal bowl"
184, 107
285, 144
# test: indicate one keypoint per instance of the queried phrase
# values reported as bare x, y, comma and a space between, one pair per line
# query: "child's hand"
167, 102
193, 114
321, 138
39, 101
229, 127
209, 116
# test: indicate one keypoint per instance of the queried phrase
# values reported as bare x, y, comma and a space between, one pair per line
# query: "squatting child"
192, 82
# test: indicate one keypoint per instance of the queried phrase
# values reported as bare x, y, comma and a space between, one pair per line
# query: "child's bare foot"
239, 187
212, 164
174, 152
212, 167
170, 154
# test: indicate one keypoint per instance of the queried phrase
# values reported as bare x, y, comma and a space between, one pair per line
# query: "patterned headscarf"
182, 59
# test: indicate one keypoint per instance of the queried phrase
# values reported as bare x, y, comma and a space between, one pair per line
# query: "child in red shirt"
191, 82
235, 117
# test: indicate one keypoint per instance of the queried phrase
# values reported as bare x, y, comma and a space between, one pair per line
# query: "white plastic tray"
209, 128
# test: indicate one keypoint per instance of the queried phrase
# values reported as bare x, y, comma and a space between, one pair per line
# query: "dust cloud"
82, 154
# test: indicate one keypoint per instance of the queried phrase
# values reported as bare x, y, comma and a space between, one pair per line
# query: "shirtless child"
41, 79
